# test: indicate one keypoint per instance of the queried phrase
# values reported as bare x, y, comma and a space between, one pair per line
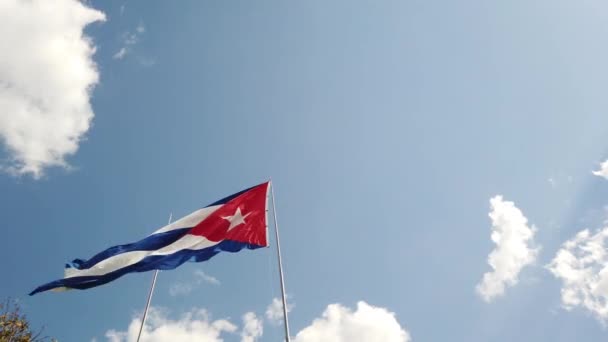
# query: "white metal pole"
143, 319
283, 297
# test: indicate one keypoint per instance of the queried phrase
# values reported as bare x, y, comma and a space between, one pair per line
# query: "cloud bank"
366, 323
514, 250
195, 325
582, 265
337, 324
46, 77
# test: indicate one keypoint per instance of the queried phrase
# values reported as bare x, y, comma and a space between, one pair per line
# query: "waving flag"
231, 224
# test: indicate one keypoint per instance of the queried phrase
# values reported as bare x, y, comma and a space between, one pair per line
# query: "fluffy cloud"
514, 250
46, 77
582, 265
603, 171
274, 311
195, 325
341, 324
252, 327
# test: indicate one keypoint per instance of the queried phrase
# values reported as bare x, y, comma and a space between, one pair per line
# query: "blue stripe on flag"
153, 262
150, 243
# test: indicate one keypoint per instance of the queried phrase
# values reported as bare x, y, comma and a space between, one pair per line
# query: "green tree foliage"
14, 326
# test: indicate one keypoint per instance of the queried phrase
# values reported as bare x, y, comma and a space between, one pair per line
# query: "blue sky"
386, 127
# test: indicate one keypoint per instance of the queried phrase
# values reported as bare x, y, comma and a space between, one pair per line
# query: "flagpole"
283, 297
143, 319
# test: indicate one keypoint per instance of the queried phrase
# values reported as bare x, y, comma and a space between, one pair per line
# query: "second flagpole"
143, 319
283, 296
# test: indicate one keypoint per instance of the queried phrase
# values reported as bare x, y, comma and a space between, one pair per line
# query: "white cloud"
195, 325
129, 39
582, 265
341, 324
121, 53
252, 327
603, 171
202, 276
46, 77
181, 289
274, 311
514, 248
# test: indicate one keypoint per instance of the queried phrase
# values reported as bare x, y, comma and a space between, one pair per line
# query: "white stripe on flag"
116, 262
189, 220
119, 261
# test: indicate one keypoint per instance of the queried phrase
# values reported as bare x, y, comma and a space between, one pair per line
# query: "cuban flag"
230, 225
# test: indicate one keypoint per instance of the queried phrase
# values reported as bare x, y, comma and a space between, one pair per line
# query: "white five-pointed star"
235, 219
